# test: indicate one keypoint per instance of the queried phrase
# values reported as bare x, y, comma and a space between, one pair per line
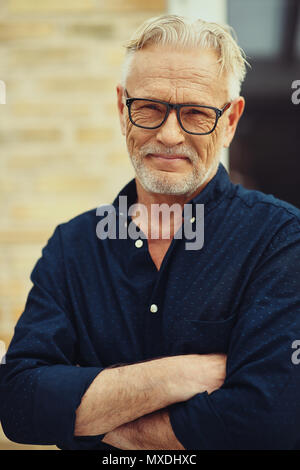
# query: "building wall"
61, 150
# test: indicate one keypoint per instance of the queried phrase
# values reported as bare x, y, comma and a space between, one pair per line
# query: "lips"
168, 157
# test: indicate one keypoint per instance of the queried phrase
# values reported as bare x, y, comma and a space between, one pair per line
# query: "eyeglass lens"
193, 118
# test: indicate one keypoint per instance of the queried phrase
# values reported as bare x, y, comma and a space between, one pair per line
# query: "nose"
170, 133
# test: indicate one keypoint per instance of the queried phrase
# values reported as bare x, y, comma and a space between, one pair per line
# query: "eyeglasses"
193, 118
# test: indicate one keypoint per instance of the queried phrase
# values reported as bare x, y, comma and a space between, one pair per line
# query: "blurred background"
61, 150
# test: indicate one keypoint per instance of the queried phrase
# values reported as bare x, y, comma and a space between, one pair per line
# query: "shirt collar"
216, 189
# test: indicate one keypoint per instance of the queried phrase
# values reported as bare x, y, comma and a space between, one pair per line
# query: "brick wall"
61, 151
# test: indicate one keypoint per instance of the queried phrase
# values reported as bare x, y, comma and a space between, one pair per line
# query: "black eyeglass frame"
177, 107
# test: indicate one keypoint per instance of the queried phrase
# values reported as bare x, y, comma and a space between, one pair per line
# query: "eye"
195, 111
151, 106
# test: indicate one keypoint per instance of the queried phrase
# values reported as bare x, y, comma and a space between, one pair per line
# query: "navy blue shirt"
90, 308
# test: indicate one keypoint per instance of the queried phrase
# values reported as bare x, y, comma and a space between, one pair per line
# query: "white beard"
163, 182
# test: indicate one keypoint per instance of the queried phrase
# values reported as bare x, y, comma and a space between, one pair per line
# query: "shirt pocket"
205, 337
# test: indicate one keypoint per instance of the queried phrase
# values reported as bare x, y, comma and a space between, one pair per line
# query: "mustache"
184, 150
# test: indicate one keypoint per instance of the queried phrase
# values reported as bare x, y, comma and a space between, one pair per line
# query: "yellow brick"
24, 30
38, 135
31, 135
119, 157
59, 210
46, 56
135, 5
18, 308
78, 85
68, 183
8, 184
49, 109
6, 338
44, 6
94, 135
115, 57
34, 161
25, 236
111, 109
11, 288
98, 30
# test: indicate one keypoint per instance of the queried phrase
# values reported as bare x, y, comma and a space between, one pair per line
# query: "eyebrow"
151, 97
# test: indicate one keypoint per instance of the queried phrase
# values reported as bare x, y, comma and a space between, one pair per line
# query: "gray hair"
172, 30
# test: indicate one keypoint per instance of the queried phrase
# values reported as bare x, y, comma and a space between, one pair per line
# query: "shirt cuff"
197, 426
58, 395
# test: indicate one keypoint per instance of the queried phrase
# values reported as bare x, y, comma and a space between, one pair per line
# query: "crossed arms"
256, 408
129, 403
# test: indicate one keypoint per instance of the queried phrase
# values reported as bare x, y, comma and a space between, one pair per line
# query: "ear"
121, 107
235, 111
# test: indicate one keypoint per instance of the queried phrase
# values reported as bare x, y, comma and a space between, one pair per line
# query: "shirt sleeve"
257, 407
41, 385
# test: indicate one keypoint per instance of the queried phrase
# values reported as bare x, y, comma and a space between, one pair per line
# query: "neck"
170, 221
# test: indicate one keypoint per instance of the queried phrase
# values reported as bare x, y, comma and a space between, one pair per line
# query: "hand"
150, 432
213, 371
199, 373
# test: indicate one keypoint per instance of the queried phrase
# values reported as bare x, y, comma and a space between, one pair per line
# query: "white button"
153, 308
139, 243
192, 220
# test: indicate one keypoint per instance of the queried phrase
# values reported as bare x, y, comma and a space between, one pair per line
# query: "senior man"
142, 343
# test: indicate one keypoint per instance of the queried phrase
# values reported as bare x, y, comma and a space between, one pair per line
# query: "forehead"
174, 74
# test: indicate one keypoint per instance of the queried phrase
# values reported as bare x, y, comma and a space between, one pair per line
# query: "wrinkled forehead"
180, 72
